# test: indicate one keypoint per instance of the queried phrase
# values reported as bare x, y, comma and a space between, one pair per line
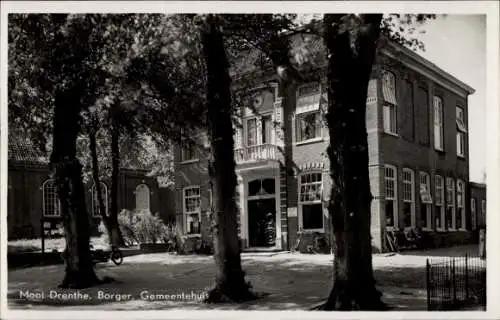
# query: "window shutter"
389, 88
278, 121
259, 131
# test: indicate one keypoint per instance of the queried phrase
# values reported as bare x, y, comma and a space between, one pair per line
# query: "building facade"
33, 202
418, 160
478, 205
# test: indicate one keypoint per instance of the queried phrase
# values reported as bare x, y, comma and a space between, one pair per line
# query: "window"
266, 129
461, 130
187, 152
310, 201
192, 210
391, 197
460, 214
390, 119
51, 204
389, 94
438, 123
483, 212
408, 198
251, 132
142, 197
425, 200
95, 199
450, 204
210, 200
308, 126
439, 203
308, 97
473, 213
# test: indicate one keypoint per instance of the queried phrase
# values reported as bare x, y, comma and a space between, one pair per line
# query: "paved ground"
287, 282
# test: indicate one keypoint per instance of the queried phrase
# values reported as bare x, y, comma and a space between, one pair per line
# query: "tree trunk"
230, 282
115, 232
67, 171
97, 181
351, 44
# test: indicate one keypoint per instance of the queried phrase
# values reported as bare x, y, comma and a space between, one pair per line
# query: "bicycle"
100, 255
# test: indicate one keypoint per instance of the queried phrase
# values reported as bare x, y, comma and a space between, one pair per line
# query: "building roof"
311, 47
477, 185
21, 150
24, 152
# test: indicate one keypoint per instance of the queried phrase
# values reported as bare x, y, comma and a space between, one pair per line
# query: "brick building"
32, 195
478, 205
418, 157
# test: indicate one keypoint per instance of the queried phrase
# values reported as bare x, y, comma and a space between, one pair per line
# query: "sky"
457, 44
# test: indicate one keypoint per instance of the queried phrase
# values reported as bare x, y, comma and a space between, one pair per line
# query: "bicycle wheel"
117, 257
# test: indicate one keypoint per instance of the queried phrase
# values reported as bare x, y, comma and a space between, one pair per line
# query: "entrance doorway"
262, 222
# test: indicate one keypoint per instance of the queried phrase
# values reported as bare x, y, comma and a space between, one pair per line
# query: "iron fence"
456, 282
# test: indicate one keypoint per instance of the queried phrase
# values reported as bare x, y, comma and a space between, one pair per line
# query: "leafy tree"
351, 49
230, 282
190, 75
60, 66
60, 49
352, 42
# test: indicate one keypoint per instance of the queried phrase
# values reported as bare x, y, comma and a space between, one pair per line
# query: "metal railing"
455, 283
256, 153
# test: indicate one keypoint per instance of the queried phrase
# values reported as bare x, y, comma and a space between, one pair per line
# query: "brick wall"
25, 198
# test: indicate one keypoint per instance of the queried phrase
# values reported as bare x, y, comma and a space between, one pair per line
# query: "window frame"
56, 201
185, 148
269, 116
104, 189
442, 203
148, 198
394, 198
425, 179
483, 211
460, 117
390, 123
411, 182
185, 213
438, 122
460, 204
301, 203
451, 203
247, 120
298, 132
473, 213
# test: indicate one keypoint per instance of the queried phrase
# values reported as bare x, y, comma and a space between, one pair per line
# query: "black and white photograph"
170, 159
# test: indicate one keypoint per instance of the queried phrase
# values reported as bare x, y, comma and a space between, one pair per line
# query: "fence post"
453, 279
466, 278
427, 275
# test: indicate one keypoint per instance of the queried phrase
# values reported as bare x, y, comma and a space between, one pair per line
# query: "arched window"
51, 204
95, 199
142, 197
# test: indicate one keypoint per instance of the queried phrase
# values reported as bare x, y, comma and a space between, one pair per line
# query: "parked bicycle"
100, 255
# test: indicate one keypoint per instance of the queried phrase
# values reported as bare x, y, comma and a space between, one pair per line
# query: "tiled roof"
21, 150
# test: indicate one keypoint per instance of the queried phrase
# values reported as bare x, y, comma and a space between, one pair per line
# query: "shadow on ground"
287, 282
457, 251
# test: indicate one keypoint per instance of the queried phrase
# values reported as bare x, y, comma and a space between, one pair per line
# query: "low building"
33, 202
478, 205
